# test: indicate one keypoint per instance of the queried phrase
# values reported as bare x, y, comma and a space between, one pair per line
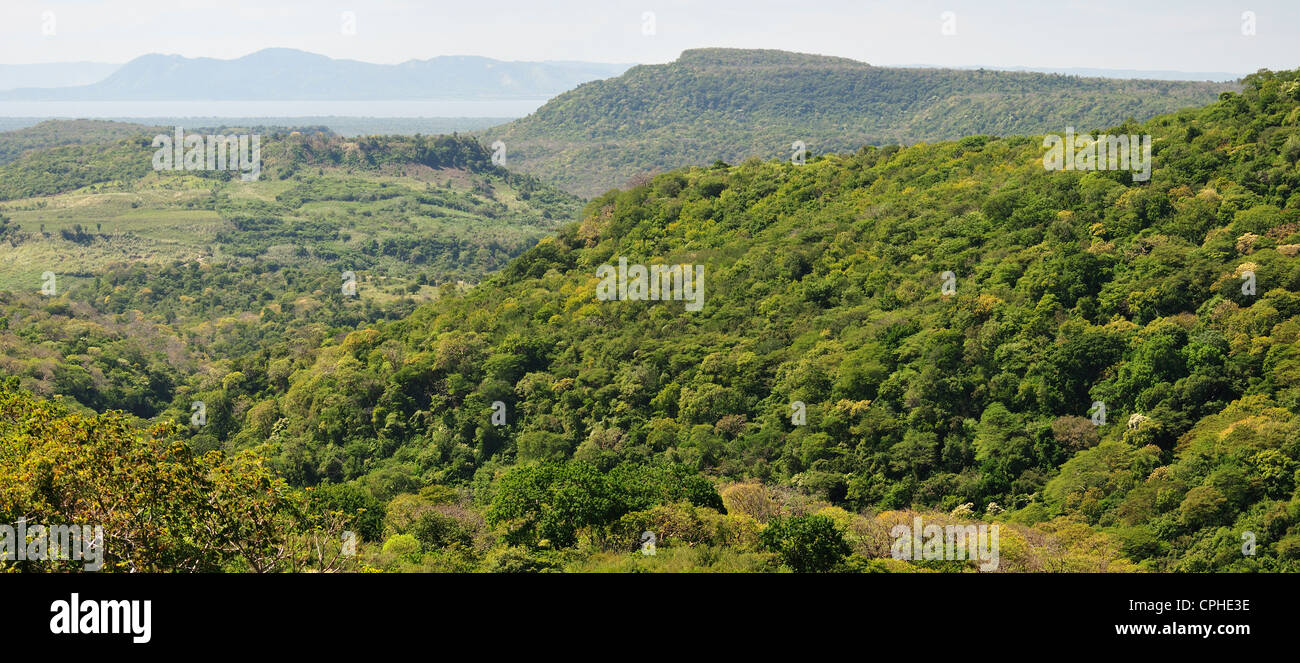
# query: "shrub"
405, 546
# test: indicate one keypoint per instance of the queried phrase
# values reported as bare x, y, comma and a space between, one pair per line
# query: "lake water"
505, 108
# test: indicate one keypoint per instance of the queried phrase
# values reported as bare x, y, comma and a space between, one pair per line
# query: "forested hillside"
731, 104
824, 286
53, 133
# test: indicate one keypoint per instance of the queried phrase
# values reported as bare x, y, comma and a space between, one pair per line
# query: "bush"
436, 530
806, 544
516, 559
404, 546
672, 524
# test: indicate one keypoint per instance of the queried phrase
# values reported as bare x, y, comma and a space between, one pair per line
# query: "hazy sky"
1186, 35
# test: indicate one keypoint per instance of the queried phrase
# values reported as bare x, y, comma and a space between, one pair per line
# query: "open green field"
331, 217
150, 227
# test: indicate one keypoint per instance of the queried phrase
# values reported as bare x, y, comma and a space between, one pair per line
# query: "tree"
551, 502
361, 511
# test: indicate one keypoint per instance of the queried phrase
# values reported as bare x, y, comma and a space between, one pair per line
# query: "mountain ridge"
54, 74
292, 74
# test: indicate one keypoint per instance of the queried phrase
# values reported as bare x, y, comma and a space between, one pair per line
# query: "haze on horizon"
1196, 35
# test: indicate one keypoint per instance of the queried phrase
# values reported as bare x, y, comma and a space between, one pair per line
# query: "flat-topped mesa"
752, 58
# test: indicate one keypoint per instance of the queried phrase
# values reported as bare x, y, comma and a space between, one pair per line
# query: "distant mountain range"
281, 74
54, 74
730, 104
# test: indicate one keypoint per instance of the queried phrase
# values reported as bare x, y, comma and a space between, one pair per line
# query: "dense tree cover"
161, 506
52, 170
98, 362
377, 151
731, 104
824, 287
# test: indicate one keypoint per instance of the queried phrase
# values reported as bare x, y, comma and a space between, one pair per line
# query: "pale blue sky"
1186, 35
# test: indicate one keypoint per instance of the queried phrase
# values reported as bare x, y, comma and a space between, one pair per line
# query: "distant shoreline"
379, 108
339, 124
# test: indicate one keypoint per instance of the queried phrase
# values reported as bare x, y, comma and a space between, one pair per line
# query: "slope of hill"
288, 74
156, 277
827, 294
730, 104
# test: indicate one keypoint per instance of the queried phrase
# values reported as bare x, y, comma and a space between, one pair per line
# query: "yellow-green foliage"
682, 524
162, 507
699, 559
